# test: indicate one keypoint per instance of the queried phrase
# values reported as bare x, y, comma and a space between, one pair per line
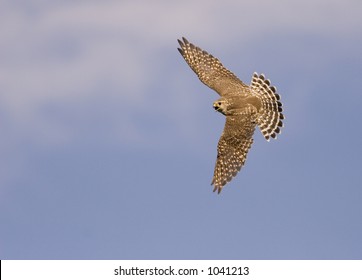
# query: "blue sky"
108, 139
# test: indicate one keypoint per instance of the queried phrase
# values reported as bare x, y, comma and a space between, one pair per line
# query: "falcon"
244, 106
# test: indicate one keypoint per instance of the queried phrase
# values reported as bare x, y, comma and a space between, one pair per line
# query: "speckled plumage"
244, 107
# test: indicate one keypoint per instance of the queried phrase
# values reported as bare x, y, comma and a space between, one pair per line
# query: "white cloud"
69, 51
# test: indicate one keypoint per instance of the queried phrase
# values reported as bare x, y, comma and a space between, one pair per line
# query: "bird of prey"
244, 106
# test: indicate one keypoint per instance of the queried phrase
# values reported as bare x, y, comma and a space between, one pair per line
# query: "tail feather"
270, 115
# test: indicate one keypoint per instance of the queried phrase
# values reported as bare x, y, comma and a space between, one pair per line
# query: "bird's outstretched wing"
233, 148
210, 70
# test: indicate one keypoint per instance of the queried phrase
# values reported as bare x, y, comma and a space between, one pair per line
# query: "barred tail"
270, 116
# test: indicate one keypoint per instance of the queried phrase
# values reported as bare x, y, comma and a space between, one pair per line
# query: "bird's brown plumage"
244, 107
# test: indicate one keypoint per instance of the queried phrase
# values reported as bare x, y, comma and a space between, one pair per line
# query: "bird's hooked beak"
217, 106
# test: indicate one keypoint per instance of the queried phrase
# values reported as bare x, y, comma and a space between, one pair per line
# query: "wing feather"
210, 70
233, 148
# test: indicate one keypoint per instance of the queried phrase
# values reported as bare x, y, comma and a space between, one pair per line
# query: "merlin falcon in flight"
244, 107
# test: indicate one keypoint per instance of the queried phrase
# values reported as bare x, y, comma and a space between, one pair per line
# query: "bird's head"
220, 106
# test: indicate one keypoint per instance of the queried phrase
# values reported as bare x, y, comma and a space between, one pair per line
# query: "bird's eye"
219, 103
